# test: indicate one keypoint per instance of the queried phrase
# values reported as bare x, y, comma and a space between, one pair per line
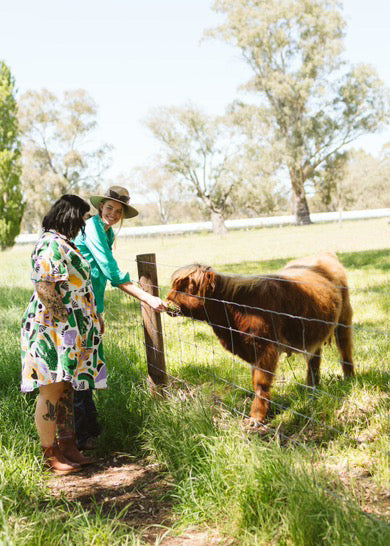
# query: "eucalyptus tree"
156, 186
361, 181
314, 102
204, 153
59, 154
262, 190
11, 199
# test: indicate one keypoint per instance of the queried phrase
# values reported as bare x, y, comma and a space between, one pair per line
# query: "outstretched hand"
137, 292
156, 304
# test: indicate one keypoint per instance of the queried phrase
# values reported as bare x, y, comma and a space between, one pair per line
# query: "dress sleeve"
97, 244
49, 263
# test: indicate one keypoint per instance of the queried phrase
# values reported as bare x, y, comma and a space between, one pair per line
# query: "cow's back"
326, 265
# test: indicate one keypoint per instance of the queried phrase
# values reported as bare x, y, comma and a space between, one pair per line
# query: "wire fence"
299, 414
195, 360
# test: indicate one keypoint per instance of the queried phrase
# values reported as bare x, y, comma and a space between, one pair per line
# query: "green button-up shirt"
96, 247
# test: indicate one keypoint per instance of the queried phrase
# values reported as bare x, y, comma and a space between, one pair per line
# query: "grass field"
322, 480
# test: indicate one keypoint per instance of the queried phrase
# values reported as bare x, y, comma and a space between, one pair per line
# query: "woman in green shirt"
96, 246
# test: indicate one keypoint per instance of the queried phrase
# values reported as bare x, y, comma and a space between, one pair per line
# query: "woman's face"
111, 212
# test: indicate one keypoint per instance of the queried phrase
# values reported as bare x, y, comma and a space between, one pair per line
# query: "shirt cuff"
121, 280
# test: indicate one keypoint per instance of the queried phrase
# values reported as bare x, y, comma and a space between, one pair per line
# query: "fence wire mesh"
195, 360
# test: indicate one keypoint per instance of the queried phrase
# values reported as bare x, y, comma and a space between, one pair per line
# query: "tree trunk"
218, 222
300, 206
301, 210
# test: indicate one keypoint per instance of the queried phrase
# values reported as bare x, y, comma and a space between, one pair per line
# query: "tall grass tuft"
256, 490
287, 498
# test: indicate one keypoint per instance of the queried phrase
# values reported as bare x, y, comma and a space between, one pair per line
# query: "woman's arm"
51, 299
133, 290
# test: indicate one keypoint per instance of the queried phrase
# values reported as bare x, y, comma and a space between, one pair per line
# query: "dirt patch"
137, 494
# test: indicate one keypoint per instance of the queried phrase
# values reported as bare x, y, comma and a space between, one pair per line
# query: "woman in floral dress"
61, 340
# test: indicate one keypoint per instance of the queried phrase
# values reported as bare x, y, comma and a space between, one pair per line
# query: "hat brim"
130, 211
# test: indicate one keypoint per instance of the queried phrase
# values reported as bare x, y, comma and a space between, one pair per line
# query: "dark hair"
66, 216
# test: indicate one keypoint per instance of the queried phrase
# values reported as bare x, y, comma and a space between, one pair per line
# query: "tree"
331, 191
11, 200
57, 155
203, 152
261, 191
362, 181
314, 102
155, 185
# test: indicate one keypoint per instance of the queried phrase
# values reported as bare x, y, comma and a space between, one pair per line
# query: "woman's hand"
155, 303
52, 300
101, 322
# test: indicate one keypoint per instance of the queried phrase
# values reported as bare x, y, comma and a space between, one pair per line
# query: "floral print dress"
54, 351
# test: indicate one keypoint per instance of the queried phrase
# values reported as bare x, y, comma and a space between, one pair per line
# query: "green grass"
302, 482
238, 247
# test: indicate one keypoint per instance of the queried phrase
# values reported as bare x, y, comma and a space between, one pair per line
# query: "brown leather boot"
55, 460
69, 449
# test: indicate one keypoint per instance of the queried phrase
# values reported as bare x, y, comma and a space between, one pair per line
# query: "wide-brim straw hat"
119, 194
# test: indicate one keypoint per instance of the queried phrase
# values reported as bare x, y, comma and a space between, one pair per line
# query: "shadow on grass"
371, 327
198, 374
293, 407
382, 288
253, 268
367, 259
204, 336
313, 414
115, 501
122, 489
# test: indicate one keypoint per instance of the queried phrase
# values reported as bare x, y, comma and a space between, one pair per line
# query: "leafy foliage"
11, 200
356, 180
203, 152
57, 157
156, 186
311, 102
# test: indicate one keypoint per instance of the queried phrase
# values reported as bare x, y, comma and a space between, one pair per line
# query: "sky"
132, 56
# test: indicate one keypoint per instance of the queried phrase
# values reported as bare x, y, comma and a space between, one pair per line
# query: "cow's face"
190, 287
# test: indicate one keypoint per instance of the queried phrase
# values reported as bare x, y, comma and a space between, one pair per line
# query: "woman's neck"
105, 226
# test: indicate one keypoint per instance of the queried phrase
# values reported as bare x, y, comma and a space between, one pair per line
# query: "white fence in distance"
245, 223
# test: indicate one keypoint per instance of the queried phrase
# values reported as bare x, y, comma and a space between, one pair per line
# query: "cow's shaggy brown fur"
297, 309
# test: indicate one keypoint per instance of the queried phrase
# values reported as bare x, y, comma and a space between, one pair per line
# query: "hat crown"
118, 193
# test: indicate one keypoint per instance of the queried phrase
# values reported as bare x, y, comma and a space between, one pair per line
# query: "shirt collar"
110, 232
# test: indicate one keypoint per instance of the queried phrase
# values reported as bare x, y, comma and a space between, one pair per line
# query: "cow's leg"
313, 368
343, 336
344, 343
262, 376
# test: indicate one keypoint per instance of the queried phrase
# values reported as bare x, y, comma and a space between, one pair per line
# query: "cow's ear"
180, 285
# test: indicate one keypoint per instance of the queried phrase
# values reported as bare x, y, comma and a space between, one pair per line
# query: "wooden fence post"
147, 274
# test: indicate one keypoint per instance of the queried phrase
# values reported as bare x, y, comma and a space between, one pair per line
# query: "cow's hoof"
255, 425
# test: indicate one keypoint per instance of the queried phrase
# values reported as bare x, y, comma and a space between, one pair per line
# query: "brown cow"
257, 318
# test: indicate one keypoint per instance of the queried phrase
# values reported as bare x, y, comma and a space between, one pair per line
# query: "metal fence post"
154, 344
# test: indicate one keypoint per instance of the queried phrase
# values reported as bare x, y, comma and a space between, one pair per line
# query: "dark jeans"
85, 416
